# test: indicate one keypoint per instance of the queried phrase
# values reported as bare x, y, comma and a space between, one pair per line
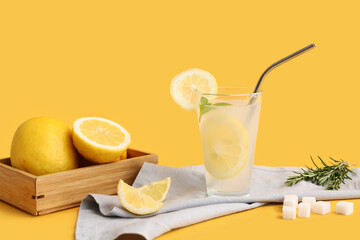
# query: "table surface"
115, 59
16, 224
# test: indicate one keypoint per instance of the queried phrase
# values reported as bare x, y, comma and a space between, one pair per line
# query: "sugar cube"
344, 208
321, 207
289, 212
291, 197
290, 203
291, 200
304, 210
311, 200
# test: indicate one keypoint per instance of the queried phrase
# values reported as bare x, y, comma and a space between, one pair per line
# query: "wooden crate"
44, 194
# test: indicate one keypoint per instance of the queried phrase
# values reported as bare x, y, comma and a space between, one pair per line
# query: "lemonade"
228, 121
228, 124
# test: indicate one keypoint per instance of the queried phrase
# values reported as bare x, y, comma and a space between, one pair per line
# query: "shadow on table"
130, 237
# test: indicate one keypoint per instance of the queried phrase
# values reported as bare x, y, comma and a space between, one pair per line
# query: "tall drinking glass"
228, 123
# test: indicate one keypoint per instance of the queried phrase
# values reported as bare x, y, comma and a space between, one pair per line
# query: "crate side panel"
17, 188
60, 208
65, 190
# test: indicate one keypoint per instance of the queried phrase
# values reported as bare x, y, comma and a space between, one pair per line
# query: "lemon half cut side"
225, 146
100, 140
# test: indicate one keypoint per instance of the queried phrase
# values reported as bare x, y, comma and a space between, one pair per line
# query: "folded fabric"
103, 217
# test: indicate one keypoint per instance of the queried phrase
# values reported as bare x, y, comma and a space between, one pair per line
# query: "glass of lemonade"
228, 123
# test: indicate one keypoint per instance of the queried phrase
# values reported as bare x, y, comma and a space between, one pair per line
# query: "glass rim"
251, 93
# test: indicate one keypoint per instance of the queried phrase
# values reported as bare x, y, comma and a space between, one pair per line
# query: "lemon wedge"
225, 145
157, 190
186, 86
100, 140
145, 200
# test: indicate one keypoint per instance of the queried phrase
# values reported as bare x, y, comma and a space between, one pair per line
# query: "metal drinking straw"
278, 63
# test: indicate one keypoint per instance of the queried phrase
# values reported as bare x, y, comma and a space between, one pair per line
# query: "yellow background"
115, 59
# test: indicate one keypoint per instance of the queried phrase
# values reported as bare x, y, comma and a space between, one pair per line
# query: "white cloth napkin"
103, 217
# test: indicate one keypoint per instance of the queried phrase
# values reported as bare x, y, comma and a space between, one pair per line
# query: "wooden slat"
132, 153
46, 211
17, 187
66, 189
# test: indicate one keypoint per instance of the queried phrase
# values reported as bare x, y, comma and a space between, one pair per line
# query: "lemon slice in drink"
100, 140
145, 200
225, 145
185, 86
157, 190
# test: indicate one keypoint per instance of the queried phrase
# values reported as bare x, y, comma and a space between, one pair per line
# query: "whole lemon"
43, 145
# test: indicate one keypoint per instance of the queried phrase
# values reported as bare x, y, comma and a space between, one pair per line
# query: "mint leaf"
222, 104
204, 101
205, 106
204, 109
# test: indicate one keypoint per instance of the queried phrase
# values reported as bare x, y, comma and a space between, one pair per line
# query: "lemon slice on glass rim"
225, 145
186, 87
145, 200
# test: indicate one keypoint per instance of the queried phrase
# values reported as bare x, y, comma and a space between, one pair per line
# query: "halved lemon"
157, 190
186, 87
145, 200
225, 145
100, 140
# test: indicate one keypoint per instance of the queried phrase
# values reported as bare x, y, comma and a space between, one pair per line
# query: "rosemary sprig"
206, 106
331, 175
